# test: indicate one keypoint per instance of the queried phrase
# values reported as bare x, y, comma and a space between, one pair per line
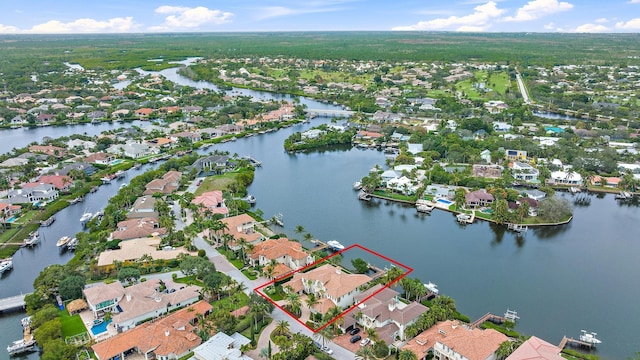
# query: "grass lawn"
263, 324
251, 274
217, 182
189, 280
71, 325
233, 302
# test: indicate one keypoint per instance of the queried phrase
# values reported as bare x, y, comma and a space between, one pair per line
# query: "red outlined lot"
406, 269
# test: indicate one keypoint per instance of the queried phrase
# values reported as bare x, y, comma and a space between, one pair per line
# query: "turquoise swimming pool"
100, 328
115, 162
444, 201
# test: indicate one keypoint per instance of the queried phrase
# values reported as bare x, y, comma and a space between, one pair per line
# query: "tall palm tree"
281, 328
407, 355
295, 304
366, 353
312, 301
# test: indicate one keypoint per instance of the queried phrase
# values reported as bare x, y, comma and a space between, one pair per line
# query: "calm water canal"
560, 280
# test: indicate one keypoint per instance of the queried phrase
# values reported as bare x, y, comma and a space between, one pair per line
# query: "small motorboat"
63, 242
432, 287
335, 245
589, 337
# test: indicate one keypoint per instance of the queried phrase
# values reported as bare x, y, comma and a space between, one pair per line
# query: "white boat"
335, 245
85, 217
424, 208
63, 242
73, 243
250, 199
25, 321
432, 287
33, 239
5, 265
98, 215
357, 185
20, 346
589, 337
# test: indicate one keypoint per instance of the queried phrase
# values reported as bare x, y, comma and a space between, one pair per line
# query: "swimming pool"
11, 219
115, 162
445, 201
100, 328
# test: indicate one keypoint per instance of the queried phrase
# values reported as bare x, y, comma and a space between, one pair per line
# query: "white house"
402, 185
522, 171
566, 178
485, 155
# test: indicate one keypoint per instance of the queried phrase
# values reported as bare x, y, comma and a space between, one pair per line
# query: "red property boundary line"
258, 290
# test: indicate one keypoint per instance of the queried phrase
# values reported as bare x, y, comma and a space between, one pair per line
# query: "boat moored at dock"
335, 245
6, 265
63, 242
432, 287
21, 346
33, 239
589, 337
85, 218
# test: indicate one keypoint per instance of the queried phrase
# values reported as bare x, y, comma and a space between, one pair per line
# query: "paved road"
523, 89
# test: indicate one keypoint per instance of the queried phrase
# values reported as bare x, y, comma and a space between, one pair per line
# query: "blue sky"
134, 16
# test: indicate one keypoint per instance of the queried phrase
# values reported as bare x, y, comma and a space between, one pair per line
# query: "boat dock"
488, 317
571, 341
253, 161
518, 228
466, 218
12, 303
319, 245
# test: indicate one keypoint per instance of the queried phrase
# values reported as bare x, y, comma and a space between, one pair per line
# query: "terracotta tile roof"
239, 312
337, 282
171, 335
242, 226
209, 199
143, 298
134, 249
48, 149
281, 270
473, 344
137, 228
536, 349
324, 305
97, 294
59, 181
166, 185
275, 248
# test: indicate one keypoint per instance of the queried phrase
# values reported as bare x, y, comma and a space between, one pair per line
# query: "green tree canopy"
360, 265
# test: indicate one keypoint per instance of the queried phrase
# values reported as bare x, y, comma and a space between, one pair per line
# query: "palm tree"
407, 355
366, 353
312, 301
281, 328
334, 313
294, 303
507, 347
299, 229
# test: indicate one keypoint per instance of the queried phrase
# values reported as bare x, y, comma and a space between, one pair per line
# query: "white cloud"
634, 1
190, 18
86, 25
602, 20
591, 28
8, 29
633, 24
550, 26
479, 20
277, 11
536, 9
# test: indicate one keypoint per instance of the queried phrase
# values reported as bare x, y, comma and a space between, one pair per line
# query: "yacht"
357, 185
335, 245
589, 337
85, 217
73, 243
250, 199
21, 346
5, 265
63, 242
432, 287
33, 239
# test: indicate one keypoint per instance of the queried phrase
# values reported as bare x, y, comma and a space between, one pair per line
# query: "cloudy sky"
127, 16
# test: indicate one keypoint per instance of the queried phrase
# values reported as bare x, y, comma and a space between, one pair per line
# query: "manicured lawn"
251, 274
233, 302
217, 182
71, 325
189, 280
263, 324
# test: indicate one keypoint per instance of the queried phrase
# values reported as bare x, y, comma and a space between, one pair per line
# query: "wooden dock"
488, 317
319, 245
12, 303
571, 341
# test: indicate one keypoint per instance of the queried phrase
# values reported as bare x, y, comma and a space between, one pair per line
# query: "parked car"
354, 331
317, 344
349, 328
365, 341
327, 350
355, 339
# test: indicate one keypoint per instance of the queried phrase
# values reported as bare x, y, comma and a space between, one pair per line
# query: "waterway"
560, 280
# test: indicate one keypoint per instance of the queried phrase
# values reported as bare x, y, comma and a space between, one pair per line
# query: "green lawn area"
71, 325
189, 280
233, 302
217, 182
251, 274
274, 294
262, 324
498, 82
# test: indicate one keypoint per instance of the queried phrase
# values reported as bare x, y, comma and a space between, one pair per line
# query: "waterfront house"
45, 119
388, 175
133, 149
330, 285
61, 182
240, 227
49, 150
213, 164
536, 349
172, 337
88, 169
605, 181
193, 136
384, 312
402, 185
138, 228
222, 346
101, 158
32, 194
143, 207
161, 143
230, 128
312, 134
453, 340
132, 250
143, 113
7, 211
522, 171
211, 202
167, 184
14, 162
569, 178
478, 199
82, 144
281, 251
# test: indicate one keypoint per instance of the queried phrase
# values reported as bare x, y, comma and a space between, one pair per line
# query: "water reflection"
549, 232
